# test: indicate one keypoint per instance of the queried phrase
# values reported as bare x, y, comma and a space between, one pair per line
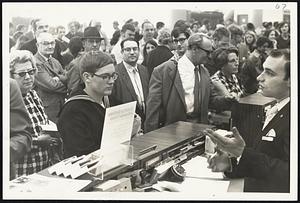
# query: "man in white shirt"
182, 91
133, 80
148, 31
266, 166
127, 31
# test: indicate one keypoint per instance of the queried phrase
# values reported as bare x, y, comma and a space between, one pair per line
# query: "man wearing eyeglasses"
132, 84
50, 79
180, 39
182, 91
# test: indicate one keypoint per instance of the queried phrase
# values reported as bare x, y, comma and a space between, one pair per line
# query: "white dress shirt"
186, 72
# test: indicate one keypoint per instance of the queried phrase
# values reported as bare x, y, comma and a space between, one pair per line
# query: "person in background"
180, 39
116, 35
195, 27
81, 120
148, 33
250, 27
50, 79
265, 167
127, 31
75, 46
205, 26
162, 52
159, 25
20, 128
149, 46
19, 43
74, 27
61, 40
105, 46
253, 65
30, 33
42, 154
283, 40
272, 35
250, 40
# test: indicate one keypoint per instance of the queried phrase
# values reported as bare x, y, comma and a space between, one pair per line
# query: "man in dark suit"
182, 91
266, 166
133, 80
162, 52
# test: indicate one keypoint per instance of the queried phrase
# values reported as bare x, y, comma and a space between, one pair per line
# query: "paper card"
117, 127
56, 167
51, 126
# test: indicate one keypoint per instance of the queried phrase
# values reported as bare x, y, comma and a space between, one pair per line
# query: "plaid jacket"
231, 85
38, 158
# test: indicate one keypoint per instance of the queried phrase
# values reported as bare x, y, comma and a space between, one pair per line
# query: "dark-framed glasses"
23, 73
180, 40
128, 49
208, 52
107, 76
48, 43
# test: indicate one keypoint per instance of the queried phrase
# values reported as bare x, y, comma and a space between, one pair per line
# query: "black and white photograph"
150, 101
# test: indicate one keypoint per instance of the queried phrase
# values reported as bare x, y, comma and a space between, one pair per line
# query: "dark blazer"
123, 90
166, 102
267, 165
157, 56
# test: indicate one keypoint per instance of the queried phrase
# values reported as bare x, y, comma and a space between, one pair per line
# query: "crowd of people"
178, 74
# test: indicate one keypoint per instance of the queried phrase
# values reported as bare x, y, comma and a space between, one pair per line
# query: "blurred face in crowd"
271, 80
131, 52
223, 42
91, 44
272, 35
201, 53
232, 66
61, 32
264, 49
149, 47
128, 34
46, 44
41, 26
101, 82
249, 38
180, 43
236, 39
285, 28
195, 28
24, 75
148, 31
73, 28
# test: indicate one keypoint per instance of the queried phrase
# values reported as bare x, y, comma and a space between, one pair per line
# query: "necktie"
140, 92
196, 91
270, 114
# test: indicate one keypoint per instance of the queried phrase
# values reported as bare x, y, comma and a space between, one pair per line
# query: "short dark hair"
177, 31
221, 32
129, 39
220, 55
262, 40
235, 30
127, 26
93, 60
75, 45
159, 25
285, 53
267, 33
145, 22
281, 24
151, 41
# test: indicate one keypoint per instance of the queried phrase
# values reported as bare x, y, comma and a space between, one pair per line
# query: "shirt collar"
184, 60
282, 103
44, 57
129, 67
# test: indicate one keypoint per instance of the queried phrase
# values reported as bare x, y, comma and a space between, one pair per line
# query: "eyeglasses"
107, 76
128, 49
181, 40
30, 72
48, 43
93, 41
208, 52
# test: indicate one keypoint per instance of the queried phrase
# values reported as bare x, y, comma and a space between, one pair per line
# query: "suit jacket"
123, 90
52, 92
166, 102
267, 165
156, 57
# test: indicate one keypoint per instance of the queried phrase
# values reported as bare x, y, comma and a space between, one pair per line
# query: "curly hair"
220, 55
20, 56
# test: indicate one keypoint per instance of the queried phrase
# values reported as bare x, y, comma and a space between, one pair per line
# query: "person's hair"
164, 36
194, 24
159, 25
93, 60
20, 27
235, 30
262, 40
250, 26
128, 26
40, 36
76, 23
146, 22
59, 27
34, 21
205, 21
17, 34
250, 32
281, 24
285, 53
21, 40
128, 39
221, 32
20, 56
177, 31
151, 41
75, 45
220, 55
267, 33
182, 25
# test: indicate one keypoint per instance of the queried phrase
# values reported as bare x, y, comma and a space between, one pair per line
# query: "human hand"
234, 144
219, 162
137, 122
45, 140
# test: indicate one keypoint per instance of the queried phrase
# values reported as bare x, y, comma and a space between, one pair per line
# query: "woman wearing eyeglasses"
81, 119
225, 80
23, 70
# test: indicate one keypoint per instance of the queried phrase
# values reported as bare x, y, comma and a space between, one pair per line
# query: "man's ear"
86, 77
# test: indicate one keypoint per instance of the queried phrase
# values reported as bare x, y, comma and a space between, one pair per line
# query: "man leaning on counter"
266, 166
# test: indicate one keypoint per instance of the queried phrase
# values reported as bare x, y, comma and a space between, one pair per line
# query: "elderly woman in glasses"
81, 119
23, 69
225, 80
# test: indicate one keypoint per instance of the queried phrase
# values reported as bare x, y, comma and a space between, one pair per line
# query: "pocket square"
271, 133
270, 139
